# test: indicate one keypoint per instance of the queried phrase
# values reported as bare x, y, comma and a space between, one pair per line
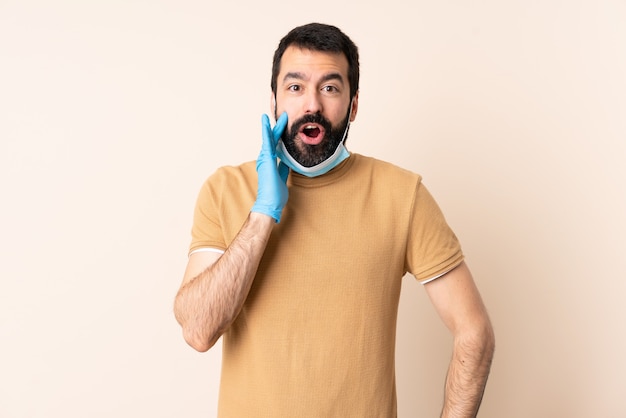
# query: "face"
313, 88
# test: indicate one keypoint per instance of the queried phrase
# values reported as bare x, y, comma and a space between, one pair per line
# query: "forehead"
312, 63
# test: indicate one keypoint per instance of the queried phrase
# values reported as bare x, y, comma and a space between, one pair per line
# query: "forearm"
467, 374
210, 302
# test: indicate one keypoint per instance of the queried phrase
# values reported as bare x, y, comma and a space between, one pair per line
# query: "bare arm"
460, 306
215, 287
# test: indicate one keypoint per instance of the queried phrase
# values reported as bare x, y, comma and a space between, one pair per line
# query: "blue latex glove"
272, 191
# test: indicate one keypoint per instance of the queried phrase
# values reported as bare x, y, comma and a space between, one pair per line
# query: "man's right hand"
272, 190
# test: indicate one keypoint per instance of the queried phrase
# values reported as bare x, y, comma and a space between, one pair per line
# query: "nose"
313, 103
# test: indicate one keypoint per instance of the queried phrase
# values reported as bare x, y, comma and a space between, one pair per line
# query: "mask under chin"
340, 154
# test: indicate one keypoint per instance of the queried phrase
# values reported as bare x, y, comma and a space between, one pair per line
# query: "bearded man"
297, 261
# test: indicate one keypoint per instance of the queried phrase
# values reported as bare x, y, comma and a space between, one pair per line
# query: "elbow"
489, 338
492, 341
479, 338
199, 335
486, 342
489, 348
484, 337
194, 333
198, 345
196, 337
199, 332
199, 341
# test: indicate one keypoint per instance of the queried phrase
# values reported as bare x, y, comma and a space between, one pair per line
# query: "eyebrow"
300, 76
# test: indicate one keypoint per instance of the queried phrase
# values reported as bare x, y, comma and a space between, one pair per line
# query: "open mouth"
312, 134
311, 131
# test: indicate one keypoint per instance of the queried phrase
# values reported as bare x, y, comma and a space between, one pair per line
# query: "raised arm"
460, 306
215, 286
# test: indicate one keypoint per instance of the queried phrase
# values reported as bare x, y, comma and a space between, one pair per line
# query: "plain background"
113, 113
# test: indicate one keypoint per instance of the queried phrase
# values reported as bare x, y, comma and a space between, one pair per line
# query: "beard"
311, 155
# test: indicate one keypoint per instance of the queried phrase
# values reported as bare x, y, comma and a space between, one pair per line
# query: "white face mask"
340, 154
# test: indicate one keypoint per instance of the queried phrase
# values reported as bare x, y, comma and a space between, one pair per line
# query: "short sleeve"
432, 247
206, 230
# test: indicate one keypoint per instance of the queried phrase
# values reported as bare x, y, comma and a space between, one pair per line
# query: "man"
298, 265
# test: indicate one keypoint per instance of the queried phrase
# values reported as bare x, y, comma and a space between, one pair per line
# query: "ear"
355, 107
273, 105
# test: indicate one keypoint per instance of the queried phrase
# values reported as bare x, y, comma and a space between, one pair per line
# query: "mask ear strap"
345, 132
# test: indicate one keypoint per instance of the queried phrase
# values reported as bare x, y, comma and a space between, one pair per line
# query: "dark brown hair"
324, 38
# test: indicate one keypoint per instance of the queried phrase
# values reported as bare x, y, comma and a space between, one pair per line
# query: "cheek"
282, 106
338, 116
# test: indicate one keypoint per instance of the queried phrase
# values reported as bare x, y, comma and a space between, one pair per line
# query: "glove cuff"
266, 210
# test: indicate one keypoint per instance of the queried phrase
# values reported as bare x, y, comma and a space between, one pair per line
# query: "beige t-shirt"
316, 336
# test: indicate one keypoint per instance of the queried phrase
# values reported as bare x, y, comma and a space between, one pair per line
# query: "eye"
330, 89
294, 88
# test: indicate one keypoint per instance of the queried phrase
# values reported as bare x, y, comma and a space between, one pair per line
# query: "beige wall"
112, 113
